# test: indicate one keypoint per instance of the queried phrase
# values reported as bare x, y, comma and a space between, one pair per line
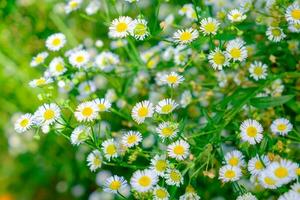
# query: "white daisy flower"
143, 180
40, 82
185, 98
257, 164
119, 27
160, 193
209, 26
118, 43
283, 171
47, 114
236, 50
275, 34
296, 187
72, 5
86, 111
235, 158
115, 184
281, 126
185, 36
189, 196
141, 111
218, 59
258, 70
290, 195
103, 104
167, 130
267, 180
79, 58
172, 79
229, 173
236, 15
188, 11
173, 177
86, 88
292, 13
24, 123
159, 164
247, 196
138, 29
56, 41
106, 61
110, 149
94, 160
179, 150
251, 131
93, 7
165, 106
57, 66
39, 59
294, 27
79, 135
131, 138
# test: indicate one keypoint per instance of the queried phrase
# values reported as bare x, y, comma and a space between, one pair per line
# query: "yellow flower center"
161, 165
258, 70
24, 122
251, 131
281, 127
185, 36
167, 131
281, 172
115, 185
234, 161
296, 14
235, 53
143, 112
236, 16
172, 79
140, 29
175, 176
56, 41
59, 67
79, 59
49, 114
229, 174
258, 165
210, 27
219, 58
131, 139
87, 111
73, 4
121, 27
40, 81
167, 108
39, 59
160, 193
111, 149
145, 181
179, 150
101, 107
269, 181
97, 161
276, 32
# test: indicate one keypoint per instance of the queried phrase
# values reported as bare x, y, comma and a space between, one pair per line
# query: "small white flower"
56, 41
235, 158
110, 149
87, 111
209, 26
115, 184
143, 180
218, 59
131, 138
281, 126
257, 164
141, 111
229, 173
173, 177
39, 59
79, 135
275, 34
138, 29
72, 5
103, 104
119, 27
185, 36
160, 193
294, 27
167, 130
94, 160
236, 15
267, 180
40, 82
57, 66
283, 171
172, 79
24, 123
47, 114
258, 70
290, 195
178, 150
236, 50
79, 58
159, 164
292, 13
251, 131
107, 61
165, 106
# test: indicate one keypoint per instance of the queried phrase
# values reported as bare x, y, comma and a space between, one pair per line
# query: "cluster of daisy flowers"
148, 100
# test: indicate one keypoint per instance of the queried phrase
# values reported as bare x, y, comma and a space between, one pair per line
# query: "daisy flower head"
160, 193
131, 138
47, 114
283, 171
57, 66
172, 79
258, 70
185, 36
159, 164
296, 187
79, 58
86, 111
178, 150
138, 29
102, 104
40, 82
119, 27
236, 50
107, 61
94, 160
235, 158
290, 195
173, 177
251, 131
236, 15
281, 126
209, 26
229, 173
56, 41
167, 130
294, 27
115, 184
72, 5
267, 180
39, 59
79, 135
257, 164
218, 59
24, 123
165, 106
275, 34
247, 196
141, 111
143, 180
292, 13
110, 149
189, 195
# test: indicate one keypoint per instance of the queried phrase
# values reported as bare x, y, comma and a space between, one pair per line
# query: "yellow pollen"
161, 165
131, 139
281, 172
258, 165
236, 16
296, 14
276, 32
251, 131
219, 58
167, 131
97, 161
49, 114
234, 161
24, 122
101, 107
115, 185
167, 108
87, 111
56, 41
229, 174
73, 4
269, 181
39, 59
79, 59
175, 176
258, 70
160, 193
40, 81
143, 112
281, 127
121, 27
111, 149
140, 29
179, 150
59, 67
185, 36
172, 79
210, 27
235, 53
145, 181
